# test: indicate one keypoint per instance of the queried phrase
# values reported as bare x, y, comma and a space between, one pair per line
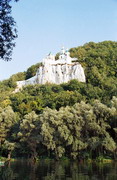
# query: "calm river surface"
62, 170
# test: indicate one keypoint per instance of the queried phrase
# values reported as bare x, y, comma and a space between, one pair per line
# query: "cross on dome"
63, 50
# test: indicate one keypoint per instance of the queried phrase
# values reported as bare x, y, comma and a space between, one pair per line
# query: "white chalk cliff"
56, 71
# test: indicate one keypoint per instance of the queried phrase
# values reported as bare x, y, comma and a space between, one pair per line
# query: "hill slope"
100, 63
74, 119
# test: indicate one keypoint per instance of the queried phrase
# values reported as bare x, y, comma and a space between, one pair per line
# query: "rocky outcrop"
56, 71
60, 73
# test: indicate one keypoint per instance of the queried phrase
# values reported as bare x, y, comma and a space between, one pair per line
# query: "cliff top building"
56, 71
64, 58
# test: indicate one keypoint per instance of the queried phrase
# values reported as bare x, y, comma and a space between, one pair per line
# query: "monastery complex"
56, 71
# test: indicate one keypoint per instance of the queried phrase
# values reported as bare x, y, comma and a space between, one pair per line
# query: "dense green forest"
76, 120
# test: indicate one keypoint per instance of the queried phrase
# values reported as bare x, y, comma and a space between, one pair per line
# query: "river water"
58, 170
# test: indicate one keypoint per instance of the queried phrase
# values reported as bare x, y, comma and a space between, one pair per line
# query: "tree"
29, 133
7, 120
31, 71
8, 31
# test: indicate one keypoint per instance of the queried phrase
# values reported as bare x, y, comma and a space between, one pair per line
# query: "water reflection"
58, 170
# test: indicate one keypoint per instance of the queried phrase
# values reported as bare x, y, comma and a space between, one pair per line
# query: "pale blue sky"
47, 25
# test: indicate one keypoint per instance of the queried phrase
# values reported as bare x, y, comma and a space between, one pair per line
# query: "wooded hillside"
73, 119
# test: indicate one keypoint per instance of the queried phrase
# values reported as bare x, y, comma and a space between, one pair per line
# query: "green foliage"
69, 131
8, 30
7, 120
29, 133
100, 63
74, 119
31, 71
19, 76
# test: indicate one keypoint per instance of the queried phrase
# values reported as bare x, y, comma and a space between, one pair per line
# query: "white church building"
64, 58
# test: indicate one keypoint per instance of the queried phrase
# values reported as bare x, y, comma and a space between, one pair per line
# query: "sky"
46, 25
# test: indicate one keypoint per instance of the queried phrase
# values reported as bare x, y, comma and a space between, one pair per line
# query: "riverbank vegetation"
75, 120
81, 131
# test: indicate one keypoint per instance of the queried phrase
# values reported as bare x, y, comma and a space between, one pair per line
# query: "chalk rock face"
56, 71
60, 73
